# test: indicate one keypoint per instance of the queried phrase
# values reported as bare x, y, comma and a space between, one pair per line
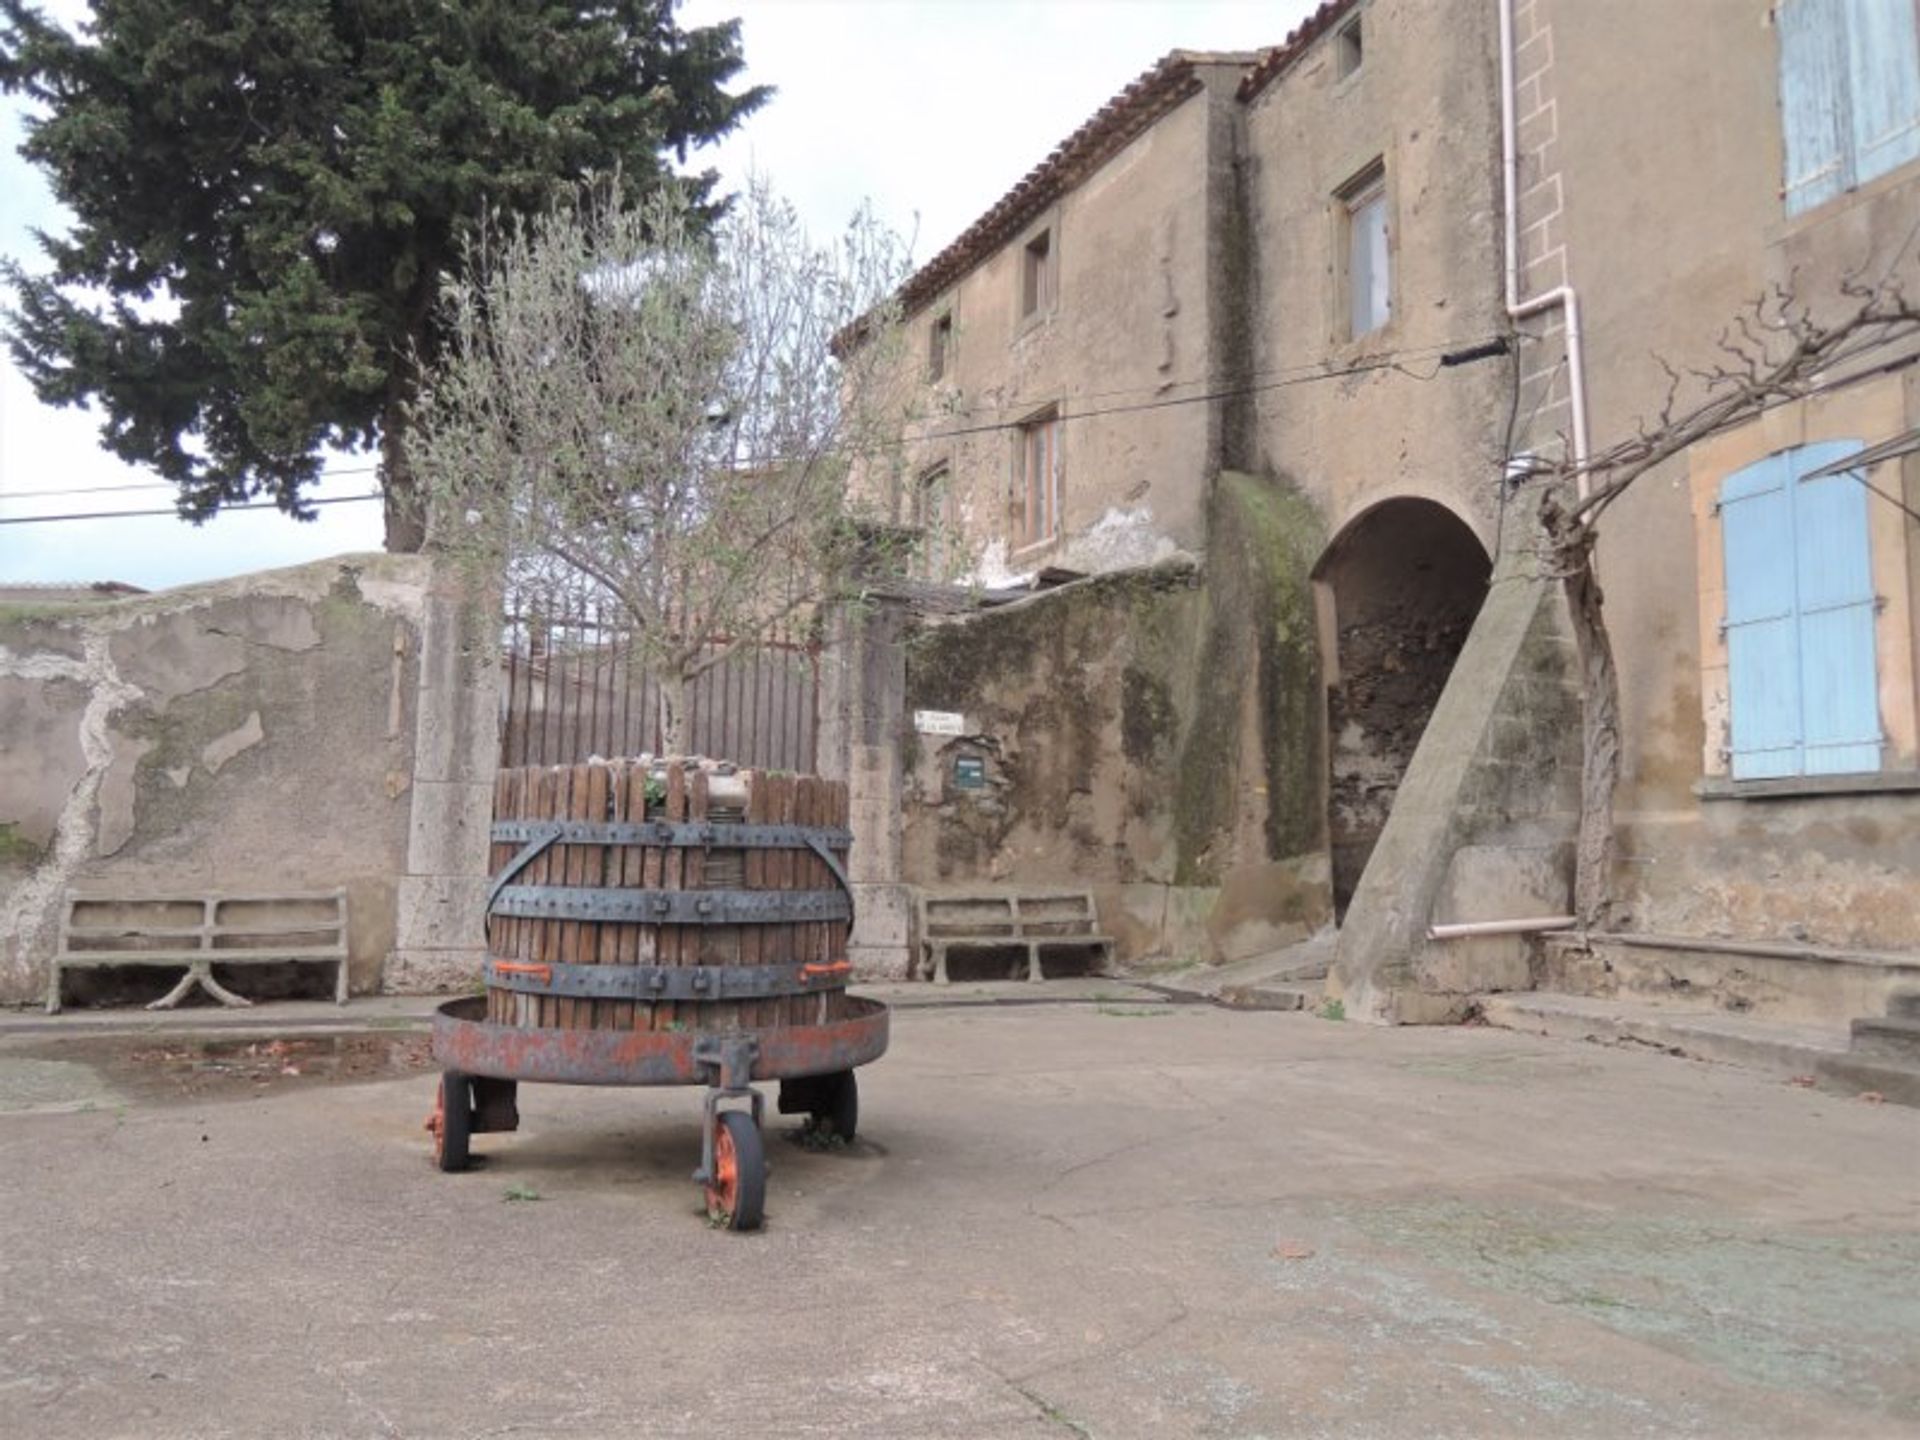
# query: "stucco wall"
1668, 242
258, 734
1147, 734
1425, 102
1136, 244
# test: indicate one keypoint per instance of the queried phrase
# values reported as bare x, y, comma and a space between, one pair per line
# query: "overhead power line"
1441, 356
324, 476
175, 514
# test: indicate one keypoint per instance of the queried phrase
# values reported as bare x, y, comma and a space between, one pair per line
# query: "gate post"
442, 890
863, 694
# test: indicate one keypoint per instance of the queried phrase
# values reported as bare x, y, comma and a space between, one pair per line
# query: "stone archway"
1399, 588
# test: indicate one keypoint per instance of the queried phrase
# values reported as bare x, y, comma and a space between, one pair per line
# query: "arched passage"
1399, 588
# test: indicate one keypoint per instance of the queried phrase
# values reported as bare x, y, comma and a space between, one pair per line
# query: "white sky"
931, 109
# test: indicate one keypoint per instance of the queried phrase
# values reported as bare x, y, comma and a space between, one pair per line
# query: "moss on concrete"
20, 612
1149, 724
1285, 534
1262, 537
1206, 684
15, 848
949, 666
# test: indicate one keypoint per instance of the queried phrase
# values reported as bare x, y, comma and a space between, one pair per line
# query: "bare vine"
1775, 352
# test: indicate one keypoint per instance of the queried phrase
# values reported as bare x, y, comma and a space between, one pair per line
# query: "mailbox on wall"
969, 773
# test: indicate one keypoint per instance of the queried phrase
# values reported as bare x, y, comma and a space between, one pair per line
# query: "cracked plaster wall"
1145, 734
256, 734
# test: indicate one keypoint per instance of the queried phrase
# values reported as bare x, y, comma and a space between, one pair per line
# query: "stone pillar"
442, 891
862, 714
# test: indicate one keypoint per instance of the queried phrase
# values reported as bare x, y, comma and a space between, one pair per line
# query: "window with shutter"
1804, 690
1036, 481
1368, 262
1849, 94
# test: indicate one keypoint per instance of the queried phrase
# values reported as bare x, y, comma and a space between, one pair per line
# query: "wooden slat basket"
594, 930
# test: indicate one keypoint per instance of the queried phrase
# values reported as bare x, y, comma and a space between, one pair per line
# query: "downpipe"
1562, 297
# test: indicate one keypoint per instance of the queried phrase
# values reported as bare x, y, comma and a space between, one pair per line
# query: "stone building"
1245, 380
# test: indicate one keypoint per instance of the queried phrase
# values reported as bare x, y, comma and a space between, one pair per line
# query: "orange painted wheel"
451, 1122
737, 1193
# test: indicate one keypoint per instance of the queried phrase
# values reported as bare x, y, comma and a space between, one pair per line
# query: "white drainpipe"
1466, 928
1567, 299
1563, 296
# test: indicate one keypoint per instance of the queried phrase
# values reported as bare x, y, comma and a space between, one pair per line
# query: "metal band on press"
670, 907
664, 982
689, 834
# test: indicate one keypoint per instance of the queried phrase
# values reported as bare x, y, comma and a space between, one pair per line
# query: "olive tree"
663, 416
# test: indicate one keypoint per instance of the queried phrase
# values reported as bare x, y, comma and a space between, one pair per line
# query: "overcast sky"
931, 109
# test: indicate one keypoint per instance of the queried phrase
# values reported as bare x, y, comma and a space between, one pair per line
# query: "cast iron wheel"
839, 1110
737, 1194
452, 1122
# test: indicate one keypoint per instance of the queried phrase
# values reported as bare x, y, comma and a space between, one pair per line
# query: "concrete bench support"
197, 932
1033, 920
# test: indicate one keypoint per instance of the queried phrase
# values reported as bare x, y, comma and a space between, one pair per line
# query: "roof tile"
1151, 95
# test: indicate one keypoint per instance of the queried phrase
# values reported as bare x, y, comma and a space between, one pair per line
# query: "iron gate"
572, 692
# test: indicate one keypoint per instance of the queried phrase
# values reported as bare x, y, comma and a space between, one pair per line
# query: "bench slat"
170, 932
289, 953
290, 897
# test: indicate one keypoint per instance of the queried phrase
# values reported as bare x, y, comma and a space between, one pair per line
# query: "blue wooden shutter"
1883, 68
1814, 67
1800, 618
1839, 682
1763, 659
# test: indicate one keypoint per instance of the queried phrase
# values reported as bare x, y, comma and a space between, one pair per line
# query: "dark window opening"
1350, 49
1036, 275
939, 346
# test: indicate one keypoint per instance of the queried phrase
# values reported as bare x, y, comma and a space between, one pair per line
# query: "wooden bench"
199, 932
1033, 920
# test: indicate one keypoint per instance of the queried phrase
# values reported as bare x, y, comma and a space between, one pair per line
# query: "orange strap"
838, 967
542, 973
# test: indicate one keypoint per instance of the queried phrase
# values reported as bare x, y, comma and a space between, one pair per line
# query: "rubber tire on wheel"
455, 1114
839, 1112
738, 1189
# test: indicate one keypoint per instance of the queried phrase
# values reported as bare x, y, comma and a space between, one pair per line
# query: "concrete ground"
1114, 1217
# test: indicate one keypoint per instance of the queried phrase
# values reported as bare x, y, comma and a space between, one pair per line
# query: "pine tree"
267, 192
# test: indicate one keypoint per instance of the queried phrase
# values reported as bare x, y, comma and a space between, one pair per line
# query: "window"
932, 517
1037, 275
1036, 481
939, 345
1368, 260
1349, 51
1849, 94
1803, 684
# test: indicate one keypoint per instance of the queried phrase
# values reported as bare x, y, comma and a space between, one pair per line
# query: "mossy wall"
1145, 730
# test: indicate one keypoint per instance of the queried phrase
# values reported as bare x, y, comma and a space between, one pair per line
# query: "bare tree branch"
661, 415
1774, 352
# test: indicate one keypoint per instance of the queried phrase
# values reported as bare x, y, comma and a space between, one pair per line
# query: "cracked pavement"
1060, 1220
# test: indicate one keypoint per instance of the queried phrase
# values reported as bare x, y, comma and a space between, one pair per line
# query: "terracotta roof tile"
1155, 92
